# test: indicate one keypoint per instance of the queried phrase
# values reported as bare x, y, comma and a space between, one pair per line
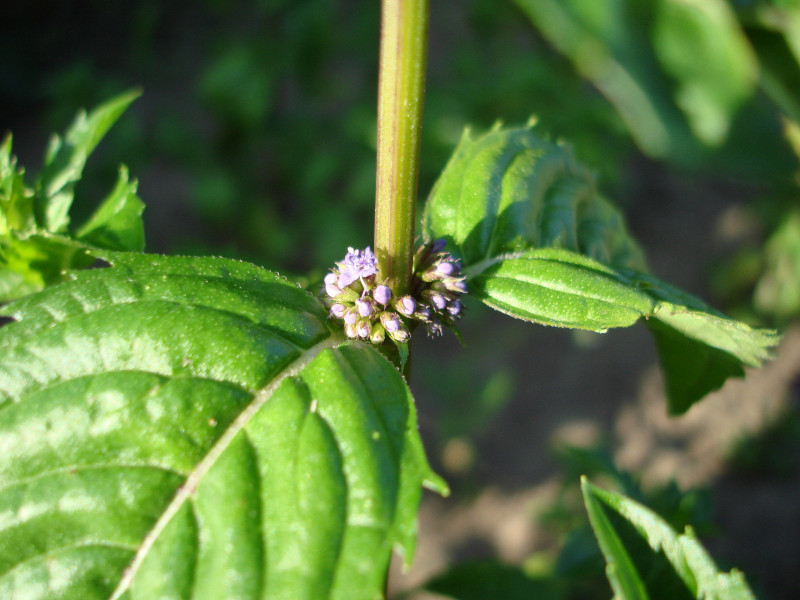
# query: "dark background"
255, 139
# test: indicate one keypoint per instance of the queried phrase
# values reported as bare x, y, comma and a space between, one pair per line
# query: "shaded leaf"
117, 222
708, 91
642, 55
191, 428
482, 580
648, 560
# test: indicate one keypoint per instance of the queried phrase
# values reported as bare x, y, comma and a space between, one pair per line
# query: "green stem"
401, 91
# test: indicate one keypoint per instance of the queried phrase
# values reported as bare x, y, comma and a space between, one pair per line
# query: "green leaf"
643, 56
16, 200
66, 157
29, 264
699, 347
35, 248
510, 190
117, 222
551, 286
710, 90
647, 560
539, 244
191, 428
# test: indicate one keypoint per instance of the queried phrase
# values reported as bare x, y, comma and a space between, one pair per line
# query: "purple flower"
438, 301
390, 321
382, 294
356, 264
423, 313
338, 310
364, 307
454, 308
363, 329
446, 268
434, 328
405, 305
331, 278
351, 316
333, 290
456, 285
438, 245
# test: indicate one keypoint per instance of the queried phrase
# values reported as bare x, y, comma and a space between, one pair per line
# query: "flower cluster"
371, 310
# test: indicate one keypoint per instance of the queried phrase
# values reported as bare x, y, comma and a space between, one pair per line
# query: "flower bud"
363, 329
454, 308
378, 334
401, 335
331, 279
423, 313
364, 306
434, 327
436, 300
391, 322
405, 305
437, 245
333, 290
350, 331
382, 294
351, 316
456, 285
446, 268
338, 310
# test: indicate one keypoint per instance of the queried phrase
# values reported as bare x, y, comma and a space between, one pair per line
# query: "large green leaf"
191, 428
647, 560
540, 244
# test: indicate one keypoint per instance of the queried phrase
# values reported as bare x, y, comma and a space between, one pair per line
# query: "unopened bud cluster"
371, 310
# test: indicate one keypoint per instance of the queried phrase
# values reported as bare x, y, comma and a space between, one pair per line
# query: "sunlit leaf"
36, 250
192, 428
539, 243
66, 156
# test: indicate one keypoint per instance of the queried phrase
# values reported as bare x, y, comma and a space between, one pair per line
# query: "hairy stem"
403, 50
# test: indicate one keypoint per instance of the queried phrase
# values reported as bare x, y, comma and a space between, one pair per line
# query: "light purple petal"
364, 307
338, 310
382, 294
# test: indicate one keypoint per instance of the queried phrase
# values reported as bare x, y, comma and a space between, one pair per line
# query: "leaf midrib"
195, 476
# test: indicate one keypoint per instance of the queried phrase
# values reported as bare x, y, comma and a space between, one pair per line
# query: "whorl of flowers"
370, 310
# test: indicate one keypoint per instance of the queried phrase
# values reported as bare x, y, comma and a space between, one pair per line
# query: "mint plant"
194, 427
